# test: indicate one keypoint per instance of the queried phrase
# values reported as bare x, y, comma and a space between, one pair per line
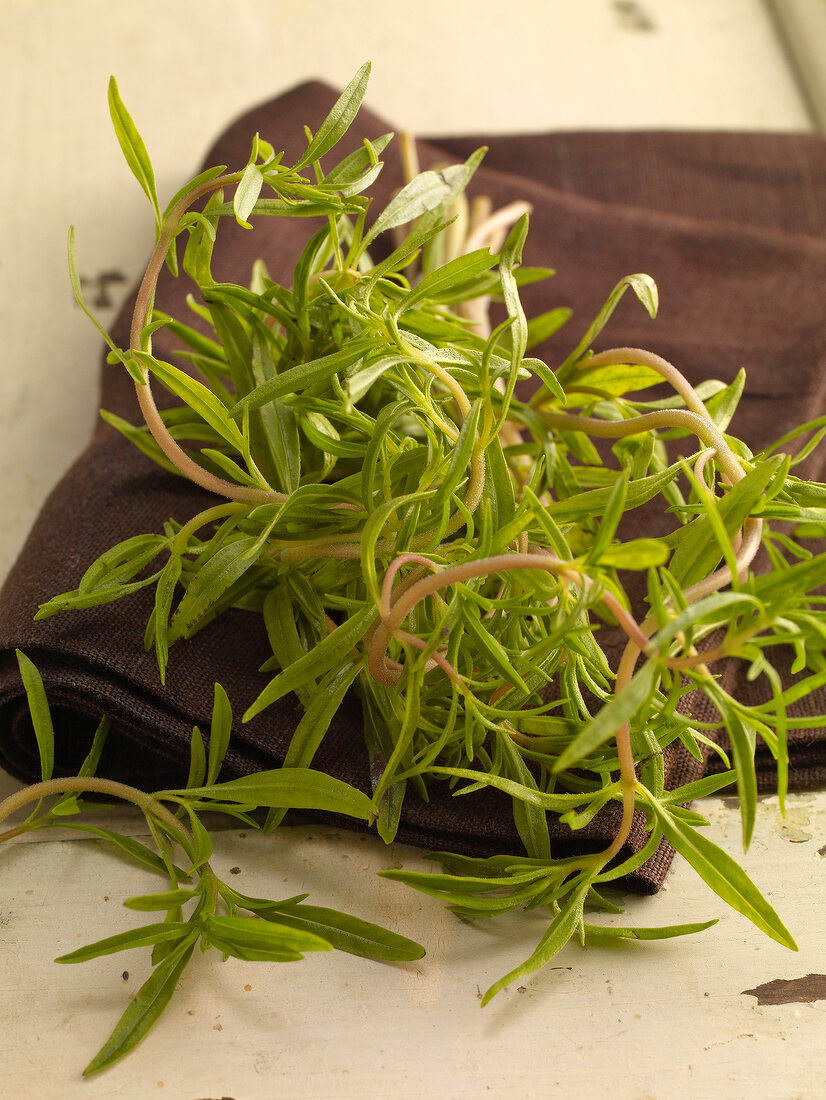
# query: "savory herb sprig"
218, 916
414, 529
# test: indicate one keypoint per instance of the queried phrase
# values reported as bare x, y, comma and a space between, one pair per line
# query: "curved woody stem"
77, 784
140, 318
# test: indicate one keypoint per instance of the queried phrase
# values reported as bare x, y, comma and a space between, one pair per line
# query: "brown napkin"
731, 227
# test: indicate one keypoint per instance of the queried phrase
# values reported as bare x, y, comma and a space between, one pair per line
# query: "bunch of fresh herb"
412, 529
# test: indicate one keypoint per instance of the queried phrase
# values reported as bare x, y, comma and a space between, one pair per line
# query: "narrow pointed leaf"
144, 936
246, 194
132, 146
226, 566
148, 903
289, 788
608, 721
725, 877
315, 663
665, 932
338, 120
346, 933
148, 1004
41, 715
559, 933
220, 731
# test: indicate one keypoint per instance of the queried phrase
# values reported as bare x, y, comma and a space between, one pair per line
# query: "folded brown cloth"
731, 226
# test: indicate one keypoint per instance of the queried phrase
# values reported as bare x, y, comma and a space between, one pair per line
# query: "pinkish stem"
140, 318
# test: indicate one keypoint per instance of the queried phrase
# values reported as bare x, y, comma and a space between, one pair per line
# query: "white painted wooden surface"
636, 1021
659, 1020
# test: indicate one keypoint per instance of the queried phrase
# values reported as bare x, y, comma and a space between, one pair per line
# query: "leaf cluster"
197, 908
427, 515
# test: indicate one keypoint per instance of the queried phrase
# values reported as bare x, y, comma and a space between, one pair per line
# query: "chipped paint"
794, 826
783, 991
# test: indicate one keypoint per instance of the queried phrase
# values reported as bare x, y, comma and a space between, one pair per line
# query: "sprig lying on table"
219, 916
413, 528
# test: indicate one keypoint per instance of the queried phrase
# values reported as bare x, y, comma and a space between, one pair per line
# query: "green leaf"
719, 871
429, 191
279, 620
315, 722
544, 325
492, 649
319, 713
197, 261
701, 788
121, 562
698, 552
191, 185
226, 566
73, 601
140, 438
338, 121
304, 375
460, 458
722, 405
133, 148
620, 709
291, 207
273, 427
615, 379
143, 1011
170, 899
558, 934
499, 484
164, 595
144, 936
197, 396
92, 759
219, 732
509, 260
246, 194
450, 274
742, 739
556, 802
200, 848
635, 554
232, 330
40, 714
197, 759
710, 608
350, 172
287, 788
593, 501
345, 932
380, 746
645, 289
469, 897
322, 657
609, 521
252, 939
665, 932
530, 820
424, 231
545, 375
